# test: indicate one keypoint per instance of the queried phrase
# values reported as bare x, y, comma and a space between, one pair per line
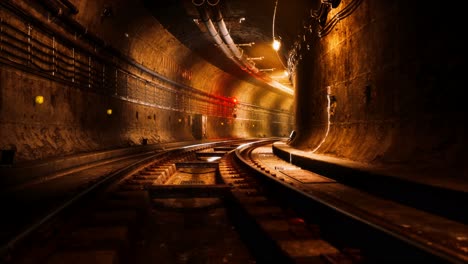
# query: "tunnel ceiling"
250, 25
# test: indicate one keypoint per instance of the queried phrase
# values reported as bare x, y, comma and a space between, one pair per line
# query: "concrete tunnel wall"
74, 120
395, 72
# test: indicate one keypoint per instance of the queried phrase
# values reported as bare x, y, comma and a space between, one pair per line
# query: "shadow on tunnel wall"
396, 73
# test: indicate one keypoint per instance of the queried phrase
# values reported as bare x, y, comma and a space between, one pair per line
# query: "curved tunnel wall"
393, 72
157, 89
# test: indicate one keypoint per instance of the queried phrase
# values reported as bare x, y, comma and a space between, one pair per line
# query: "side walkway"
432, 233
432, 192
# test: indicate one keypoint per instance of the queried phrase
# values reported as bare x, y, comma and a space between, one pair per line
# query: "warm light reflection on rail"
211, 159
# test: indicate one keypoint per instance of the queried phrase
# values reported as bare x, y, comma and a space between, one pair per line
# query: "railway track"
221, 202
38, 211
384, 231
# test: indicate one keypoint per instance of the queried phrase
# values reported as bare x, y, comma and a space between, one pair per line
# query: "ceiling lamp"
276, 44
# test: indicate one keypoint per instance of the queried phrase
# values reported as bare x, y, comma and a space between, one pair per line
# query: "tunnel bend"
155, 88
391, 71
380, 86
377, 87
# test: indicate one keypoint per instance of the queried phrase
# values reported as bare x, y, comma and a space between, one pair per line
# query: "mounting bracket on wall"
320, 15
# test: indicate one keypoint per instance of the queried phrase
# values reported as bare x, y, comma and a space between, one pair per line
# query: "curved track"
385, 231
219, 202
35, 206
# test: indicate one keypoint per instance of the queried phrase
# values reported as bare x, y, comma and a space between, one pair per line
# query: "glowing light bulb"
276, 44
109, 111
39, 99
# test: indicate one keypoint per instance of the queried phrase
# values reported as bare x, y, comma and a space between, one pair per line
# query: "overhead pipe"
20, 9
225, 43
214, 34
229, 48
225, 33
228, 40
251, 69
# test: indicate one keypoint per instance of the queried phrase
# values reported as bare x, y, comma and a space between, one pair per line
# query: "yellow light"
211, 159
276, 44
109, 111
180, 120
222, 123
286, 73
39, 99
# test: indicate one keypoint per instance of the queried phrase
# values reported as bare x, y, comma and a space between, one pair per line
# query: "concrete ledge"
416, 190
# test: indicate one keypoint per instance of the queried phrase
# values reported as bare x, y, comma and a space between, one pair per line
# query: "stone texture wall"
73, 117
394, 72
72, 120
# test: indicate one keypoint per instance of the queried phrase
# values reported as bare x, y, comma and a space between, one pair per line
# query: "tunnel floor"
185, 228
191, 230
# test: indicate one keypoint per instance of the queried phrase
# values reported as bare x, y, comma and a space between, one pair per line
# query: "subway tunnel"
356, 86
